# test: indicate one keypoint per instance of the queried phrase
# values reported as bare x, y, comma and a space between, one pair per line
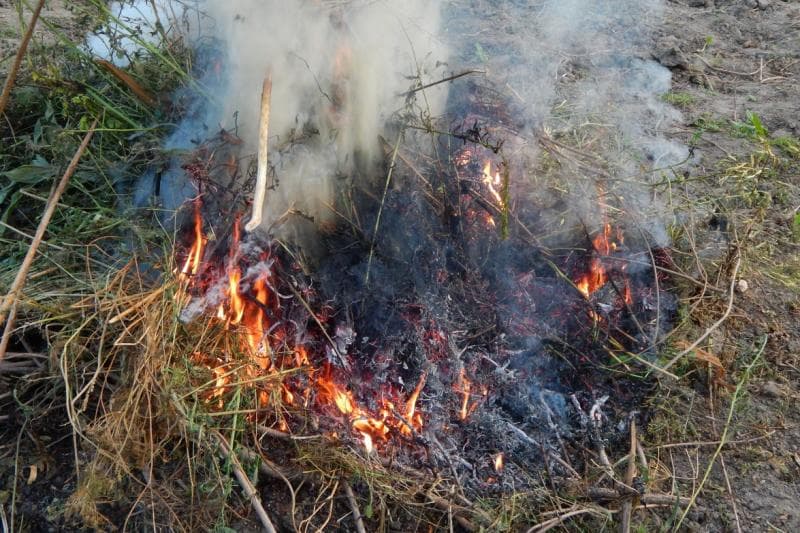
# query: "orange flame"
628, 295
492, 181
254, 323
499, 462
246, 304
192, 264
412, 417
597, 275
464, 385
369, 427
236, 301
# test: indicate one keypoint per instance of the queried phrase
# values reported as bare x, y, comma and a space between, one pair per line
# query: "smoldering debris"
447, 255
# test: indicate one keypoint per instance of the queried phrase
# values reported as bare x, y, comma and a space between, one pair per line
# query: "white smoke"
581, 69
339, 70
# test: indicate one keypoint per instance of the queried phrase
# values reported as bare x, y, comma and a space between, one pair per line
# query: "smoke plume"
341, 70
338, 70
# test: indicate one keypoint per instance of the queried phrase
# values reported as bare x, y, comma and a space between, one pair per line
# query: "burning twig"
260, 191
10, 300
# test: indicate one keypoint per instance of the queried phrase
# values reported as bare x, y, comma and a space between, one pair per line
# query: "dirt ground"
729, 59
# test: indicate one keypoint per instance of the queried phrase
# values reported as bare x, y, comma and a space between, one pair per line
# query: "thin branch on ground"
23, 48
14, 292
725, 430
351, 499
713, 327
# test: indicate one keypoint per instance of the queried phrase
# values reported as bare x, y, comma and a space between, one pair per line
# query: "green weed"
679, 99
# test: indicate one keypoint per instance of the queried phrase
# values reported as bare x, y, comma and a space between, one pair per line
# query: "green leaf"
39, 170
796, 227
4, 192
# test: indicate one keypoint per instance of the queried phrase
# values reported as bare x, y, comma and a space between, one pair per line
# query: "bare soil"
731, 58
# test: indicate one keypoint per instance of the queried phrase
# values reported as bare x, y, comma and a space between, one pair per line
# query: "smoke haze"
340, 69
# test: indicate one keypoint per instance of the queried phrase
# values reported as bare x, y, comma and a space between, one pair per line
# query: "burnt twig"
443, 80
380, 209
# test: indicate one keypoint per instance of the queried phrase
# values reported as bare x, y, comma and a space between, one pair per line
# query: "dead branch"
443, 80
713, 327
260, 191
609, 495
351, 498
380, 209
627, 505
278, 434
23, 47
19, 281
143, 94
246, 484
553, 522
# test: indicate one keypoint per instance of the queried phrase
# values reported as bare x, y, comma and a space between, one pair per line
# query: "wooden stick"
351, 498
260, 192
23, 47
627, 505
227, 451
12, 315
16, 287
247, 485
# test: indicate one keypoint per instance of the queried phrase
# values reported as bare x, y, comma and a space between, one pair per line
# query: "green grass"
679, 99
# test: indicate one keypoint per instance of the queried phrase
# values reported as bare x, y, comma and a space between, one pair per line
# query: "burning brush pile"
467, 300
444, 326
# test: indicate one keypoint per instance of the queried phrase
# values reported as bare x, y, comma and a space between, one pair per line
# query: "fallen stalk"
23, 47
246, 484
10, 300
238, 471
443, 80
351, 499
715, 325
725, 430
